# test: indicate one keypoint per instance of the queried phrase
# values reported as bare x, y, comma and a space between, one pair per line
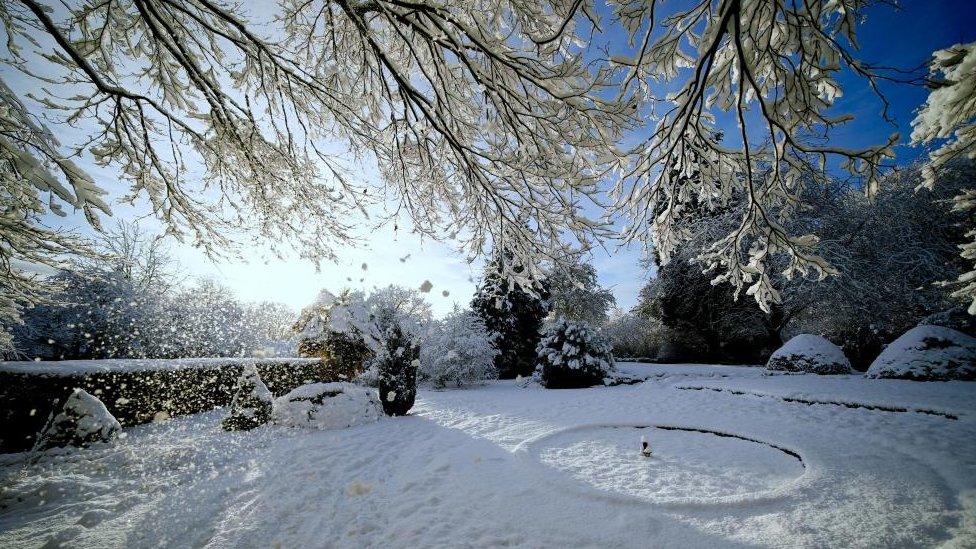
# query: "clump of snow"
328, 406
809, 353
252, 402
83, 421
571, 355
928, 353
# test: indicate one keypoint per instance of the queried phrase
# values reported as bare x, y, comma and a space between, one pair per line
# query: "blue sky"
902, 37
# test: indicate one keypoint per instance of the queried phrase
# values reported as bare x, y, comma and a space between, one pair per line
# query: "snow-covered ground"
499, 465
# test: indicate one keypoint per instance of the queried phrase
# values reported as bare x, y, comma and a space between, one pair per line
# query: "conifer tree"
514, 314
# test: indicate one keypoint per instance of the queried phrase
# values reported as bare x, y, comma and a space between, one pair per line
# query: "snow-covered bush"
252, 402
82, 421
390, 323
572, 355
327, 406
809, 353
457, 351
397, 363
346, 354
928, 353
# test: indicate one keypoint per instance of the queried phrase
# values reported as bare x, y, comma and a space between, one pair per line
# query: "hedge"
135, 391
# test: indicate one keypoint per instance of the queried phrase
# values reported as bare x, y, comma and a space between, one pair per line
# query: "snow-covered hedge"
572, 355
928, 353
328, 406
457, 351
134, 391
808, 353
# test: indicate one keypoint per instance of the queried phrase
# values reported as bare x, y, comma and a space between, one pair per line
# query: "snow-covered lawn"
500, 465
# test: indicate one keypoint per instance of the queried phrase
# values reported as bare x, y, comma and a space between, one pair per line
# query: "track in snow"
811, 401
689, 465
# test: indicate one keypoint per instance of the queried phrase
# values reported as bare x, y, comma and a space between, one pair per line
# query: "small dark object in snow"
645, 447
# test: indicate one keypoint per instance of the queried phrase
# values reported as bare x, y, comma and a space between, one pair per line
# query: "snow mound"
809, 353
83, 420
928, 353
252, 402
328, 406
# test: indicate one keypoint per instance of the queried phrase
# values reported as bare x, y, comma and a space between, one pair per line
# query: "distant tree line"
129, 302
892, 253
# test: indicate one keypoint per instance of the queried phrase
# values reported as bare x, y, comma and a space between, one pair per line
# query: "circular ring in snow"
688, 466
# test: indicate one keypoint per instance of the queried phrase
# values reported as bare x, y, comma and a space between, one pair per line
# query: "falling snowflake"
426, 287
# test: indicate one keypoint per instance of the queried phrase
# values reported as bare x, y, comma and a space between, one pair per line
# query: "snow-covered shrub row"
327, 406
134, 391
572, 355
457, 351
928, 353
389, 323
809, 353
82, 421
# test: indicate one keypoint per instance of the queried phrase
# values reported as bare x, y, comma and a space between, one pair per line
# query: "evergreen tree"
397, 365
575, 294
514, 315
573, 355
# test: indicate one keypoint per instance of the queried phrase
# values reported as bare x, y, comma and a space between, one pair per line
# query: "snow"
82, 421
928, 353
499, 465
328, 406
82, 367
810, 354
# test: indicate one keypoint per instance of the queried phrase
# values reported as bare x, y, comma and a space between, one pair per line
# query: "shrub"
345, 354
388, 322
82, 421
572, 355
928, 353
327, 406
457, 351
809, 353
397, 363
251, 406
512, 313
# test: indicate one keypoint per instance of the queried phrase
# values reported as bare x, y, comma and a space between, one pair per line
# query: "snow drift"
328, 406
